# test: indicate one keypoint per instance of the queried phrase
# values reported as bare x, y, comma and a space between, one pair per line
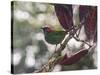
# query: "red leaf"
74, 58
95, 37
90, 21
65, 15
91, 24
83, 11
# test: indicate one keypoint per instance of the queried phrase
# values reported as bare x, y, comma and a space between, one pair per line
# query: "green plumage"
55, 37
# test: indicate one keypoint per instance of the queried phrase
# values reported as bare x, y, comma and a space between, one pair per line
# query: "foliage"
30, 42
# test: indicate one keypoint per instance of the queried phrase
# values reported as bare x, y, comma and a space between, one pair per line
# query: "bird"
53, 36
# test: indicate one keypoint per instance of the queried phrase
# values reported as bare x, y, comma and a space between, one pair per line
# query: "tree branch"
57, 55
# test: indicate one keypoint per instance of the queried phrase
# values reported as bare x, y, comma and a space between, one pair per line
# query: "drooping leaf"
95, 36
74, 58
65, 15
83, 11
89, 14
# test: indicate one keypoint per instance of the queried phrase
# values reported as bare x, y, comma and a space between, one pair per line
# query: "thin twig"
81, 41
78, 32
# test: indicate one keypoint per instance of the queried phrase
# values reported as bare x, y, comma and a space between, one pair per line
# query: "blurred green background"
30, 50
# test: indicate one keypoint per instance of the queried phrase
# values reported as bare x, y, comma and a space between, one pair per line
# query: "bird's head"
46, 29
